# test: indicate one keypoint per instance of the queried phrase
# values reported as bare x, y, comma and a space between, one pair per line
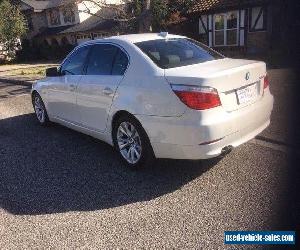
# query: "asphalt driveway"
62, 189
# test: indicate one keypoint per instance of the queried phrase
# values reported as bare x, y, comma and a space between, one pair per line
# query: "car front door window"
74, 64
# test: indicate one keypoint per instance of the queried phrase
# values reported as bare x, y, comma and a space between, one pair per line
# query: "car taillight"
195, 97
266, 82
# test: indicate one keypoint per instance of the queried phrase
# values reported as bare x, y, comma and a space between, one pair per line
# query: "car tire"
132, 143
40, 110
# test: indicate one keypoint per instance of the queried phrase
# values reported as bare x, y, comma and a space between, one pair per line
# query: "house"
67, 22
241, 27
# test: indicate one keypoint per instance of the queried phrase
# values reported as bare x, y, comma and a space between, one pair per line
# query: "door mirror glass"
51, 72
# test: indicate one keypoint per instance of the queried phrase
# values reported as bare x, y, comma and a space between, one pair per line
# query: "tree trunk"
145, 18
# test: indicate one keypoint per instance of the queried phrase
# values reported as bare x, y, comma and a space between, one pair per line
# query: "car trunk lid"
238, 82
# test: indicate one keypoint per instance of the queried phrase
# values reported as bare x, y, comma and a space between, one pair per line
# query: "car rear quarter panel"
144, 89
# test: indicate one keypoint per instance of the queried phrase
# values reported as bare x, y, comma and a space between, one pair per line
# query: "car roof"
135, 38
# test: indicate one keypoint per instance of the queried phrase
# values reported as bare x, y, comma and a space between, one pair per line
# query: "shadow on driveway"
54, 170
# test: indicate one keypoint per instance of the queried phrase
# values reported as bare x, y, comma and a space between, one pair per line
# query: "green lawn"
34, 71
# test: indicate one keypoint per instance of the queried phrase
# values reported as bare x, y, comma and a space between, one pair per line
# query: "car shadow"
55, 169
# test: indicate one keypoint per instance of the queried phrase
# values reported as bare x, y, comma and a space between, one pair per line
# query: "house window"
226, 28
257, 19
54, 17
69, 14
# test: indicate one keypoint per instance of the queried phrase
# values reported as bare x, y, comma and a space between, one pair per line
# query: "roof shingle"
42, 5
206, 5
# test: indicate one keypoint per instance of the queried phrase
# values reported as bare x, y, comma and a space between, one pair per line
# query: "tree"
145, 15
132, 12
12, 27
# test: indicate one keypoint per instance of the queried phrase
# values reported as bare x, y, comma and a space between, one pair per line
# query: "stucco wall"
39, 22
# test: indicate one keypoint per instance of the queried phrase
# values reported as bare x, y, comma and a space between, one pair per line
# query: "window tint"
75, 63
120, 63
101, 59
171, 53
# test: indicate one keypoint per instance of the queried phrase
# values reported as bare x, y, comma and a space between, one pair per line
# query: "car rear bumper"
207, 134
165, 150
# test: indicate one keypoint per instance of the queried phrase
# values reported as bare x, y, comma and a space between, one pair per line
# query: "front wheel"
132, 142
40, 110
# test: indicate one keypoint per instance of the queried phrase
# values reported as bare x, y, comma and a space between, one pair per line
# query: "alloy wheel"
129, 142
39, 109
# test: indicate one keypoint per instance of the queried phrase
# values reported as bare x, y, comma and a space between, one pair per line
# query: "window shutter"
203, 24
210, 29
242, 28
257, 19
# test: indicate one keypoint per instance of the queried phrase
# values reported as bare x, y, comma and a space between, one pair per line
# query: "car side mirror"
53, 71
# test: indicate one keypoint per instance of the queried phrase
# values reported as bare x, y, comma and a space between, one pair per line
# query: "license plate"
247, 94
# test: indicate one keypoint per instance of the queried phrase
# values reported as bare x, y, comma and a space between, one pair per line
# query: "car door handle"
72, 87
107, 91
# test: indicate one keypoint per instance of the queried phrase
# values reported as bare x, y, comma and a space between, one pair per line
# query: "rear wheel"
40, 110
132, 142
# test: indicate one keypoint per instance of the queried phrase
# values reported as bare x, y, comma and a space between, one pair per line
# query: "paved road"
62, 189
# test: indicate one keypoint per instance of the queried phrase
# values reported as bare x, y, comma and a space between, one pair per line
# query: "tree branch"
108, 18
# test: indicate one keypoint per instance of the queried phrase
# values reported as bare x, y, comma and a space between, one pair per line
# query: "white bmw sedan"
156, 96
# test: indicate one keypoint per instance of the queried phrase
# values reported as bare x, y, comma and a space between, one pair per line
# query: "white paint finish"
175, 131
195, 152
225, 75
135, 38
214, 123
144, 88
59, 95
94, 98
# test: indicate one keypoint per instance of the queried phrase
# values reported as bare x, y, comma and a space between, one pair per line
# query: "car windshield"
177, 52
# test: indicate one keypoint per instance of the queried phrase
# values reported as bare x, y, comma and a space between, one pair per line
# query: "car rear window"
177, 52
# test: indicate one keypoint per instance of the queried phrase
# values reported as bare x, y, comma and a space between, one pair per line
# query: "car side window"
101, 59
120, 63
74, 64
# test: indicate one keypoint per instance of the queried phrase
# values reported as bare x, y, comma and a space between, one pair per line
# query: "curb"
17, 82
